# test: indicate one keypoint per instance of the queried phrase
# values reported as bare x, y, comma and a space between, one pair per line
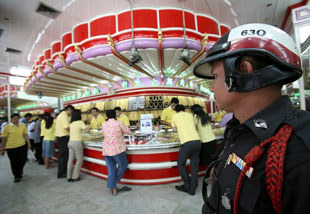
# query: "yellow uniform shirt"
205, 132
14, 135
49, 134
96, 123
124, 119
62, 122
184, 122
76, 130
167, 114
42, 127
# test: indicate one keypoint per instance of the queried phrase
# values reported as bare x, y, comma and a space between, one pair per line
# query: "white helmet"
251, 40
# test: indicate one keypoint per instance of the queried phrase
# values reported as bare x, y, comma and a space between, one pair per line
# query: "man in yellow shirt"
183, 122
97, 120
121, 117
14, 136
62, 138
167, 114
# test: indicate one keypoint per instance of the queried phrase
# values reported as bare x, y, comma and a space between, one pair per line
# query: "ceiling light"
17, 80
20, 71
185, 56
134, 57
227, 2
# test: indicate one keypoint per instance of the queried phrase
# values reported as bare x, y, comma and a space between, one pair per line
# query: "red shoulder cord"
274, 166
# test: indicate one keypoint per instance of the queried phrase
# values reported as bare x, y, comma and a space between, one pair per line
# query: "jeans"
62, 155
115, 175
189, 149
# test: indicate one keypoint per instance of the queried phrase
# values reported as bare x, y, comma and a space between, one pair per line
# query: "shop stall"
138, 61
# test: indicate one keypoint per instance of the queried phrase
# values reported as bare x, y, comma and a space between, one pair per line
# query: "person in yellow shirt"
121, 117
14, 136
48, 146
203, 126
75, 146
183, 122
167, 114
62, 137
97, 120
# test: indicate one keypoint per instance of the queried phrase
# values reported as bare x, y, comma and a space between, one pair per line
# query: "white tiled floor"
41, 192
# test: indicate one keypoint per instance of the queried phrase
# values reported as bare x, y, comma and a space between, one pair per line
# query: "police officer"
264, 166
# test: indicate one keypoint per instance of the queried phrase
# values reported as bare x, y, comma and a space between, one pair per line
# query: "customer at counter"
14, 136
38, 139
62, 137
114, 150
48, 147
121, 117
97, 120
203, 126
183, 122
168, 112
26, 118
75, 146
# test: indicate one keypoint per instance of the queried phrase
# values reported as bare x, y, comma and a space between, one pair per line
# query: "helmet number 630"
253, 32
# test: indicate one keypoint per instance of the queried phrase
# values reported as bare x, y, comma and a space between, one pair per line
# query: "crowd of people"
66, 129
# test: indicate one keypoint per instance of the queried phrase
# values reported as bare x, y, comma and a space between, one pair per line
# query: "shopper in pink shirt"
114, 150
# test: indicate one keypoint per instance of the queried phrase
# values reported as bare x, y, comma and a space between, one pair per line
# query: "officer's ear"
245, 66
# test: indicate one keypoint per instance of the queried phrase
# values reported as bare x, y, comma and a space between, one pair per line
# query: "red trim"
139, 92
139, 174
289, 10
12, 75
137, 158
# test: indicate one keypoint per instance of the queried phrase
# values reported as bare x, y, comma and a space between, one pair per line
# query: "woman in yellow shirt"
75, 146
48, 147
203, 126
14, 136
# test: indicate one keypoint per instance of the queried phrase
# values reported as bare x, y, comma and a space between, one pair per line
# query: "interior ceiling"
22, 24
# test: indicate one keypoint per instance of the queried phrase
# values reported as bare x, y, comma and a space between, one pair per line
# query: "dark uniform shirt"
240, 139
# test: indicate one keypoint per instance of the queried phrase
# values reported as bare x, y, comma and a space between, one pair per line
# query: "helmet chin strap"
229, 83
246, 82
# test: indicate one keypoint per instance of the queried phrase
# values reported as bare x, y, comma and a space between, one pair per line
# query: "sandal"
124, 189
114, 192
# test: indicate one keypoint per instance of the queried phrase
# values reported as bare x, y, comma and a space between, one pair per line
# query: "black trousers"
18, 158
62, 155
189, 149
207, 153
38, 153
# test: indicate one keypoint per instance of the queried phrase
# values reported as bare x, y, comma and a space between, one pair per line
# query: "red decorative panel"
224, 29
144, 18
66, 40
103, 26
173, 18
55, 48
207, 25
47, 54
80, 32
41, 58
